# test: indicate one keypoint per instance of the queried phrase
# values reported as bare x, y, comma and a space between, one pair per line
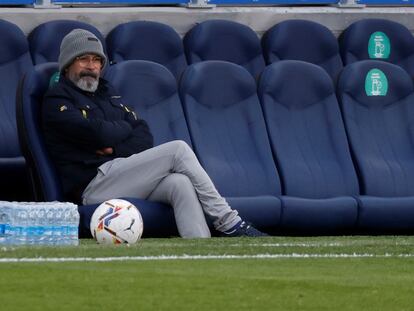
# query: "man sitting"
102, 150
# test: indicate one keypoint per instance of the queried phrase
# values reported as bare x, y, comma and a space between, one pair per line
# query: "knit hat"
79, 42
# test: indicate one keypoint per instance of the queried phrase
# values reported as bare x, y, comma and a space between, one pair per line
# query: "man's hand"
105, 151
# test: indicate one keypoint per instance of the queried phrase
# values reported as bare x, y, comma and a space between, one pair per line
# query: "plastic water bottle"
20, 224
33, 229
58, 225
70, 224
41, 223
46, 223
52, 223
73, 225
5, 219
65, 225
3, 222
9, 228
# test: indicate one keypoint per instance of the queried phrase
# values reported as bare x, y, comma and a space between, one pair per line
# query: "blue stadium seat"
151, 90
14, 61
378, 39
303, 40
143, 40
44, 178
16, 2
229, 137
158, 218
377, 101
45, 39
308, 140
227, 41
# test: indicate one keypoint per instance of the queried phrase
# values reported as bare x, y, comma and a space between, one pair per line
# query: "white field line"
200, 257
293, 245
311, 244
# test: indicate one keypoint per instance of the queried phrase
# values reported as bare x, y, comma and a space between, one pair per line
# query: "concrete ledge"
182, 19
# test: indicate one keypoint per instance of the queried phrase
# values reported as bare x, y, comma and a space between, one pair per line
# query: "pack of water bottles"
38, 223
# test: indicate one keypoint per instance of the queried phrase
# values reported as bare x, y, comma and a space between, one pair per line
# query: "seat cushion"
262, 211
386, 214
319, 215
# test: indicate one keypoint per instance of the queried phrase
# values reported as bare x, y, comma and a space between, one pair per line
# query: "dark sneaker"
244, 229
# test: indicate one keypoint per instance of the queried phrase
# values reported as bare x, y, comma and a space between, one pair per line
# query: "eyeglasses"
85, 60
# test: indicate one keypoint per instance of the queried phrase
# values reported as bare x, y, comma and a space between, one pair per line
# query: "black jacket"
77, 123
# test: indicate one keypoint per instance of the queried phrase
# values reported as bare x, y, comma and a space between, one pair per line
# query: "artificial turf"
381, 279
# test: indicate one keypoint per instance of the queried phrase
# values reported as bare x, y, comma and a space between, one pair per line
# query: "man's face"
85, 71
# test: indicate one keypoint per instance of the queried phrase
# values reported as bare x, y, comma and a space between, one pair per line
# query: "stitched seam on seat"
15, 58
302, 107
317, 161
381, 151
389, 104
301, 151
397, 160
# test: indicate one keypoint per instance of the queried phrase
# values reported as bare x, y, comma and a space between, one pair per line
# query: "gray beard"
87, 85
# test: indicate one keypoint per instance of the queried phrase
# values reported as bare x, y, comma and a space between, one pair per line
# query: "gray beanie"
79, 42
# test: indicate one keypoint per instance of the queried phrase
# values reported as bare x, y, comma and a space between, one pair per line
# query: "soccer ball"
116, 221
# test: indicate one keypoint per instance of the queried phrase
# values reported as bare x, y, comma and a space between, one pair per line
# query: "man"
103, 151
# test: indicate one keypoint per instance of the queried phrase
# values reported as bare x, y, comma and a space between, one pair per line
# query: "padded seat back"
33, 86
378, 39
151, 90
228, 130
152, 41
158, 218
14, 62
227, 41
303, 40
377, 100
306, 131
45, 39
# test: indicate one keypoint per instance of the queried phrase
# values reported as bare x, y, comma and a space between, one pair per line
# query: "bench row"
285, 153
234, 42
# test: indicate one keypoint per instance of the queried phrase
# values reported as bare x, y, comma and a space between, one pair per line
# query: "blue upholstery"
158, 218
229, 137
14, 61
380, 129
30, 95
45, 39
152, 91
386, 214
331, 215
143, 40
381, 138
227, 41
354, 42
263, 210
310, 146
303, 40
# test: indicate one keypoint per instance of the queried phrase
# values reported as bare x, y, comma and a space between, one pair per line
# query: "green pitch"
278, 273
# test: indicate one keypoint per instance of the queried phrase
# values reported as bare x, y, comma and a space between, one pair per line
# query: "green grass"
377, 283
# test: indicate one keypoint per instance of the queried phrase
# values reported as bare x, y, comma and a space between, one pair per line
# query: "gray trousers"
169, 173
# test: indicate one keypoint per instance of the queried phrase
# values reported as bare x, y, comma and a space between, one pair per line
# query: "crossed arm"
122, 137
